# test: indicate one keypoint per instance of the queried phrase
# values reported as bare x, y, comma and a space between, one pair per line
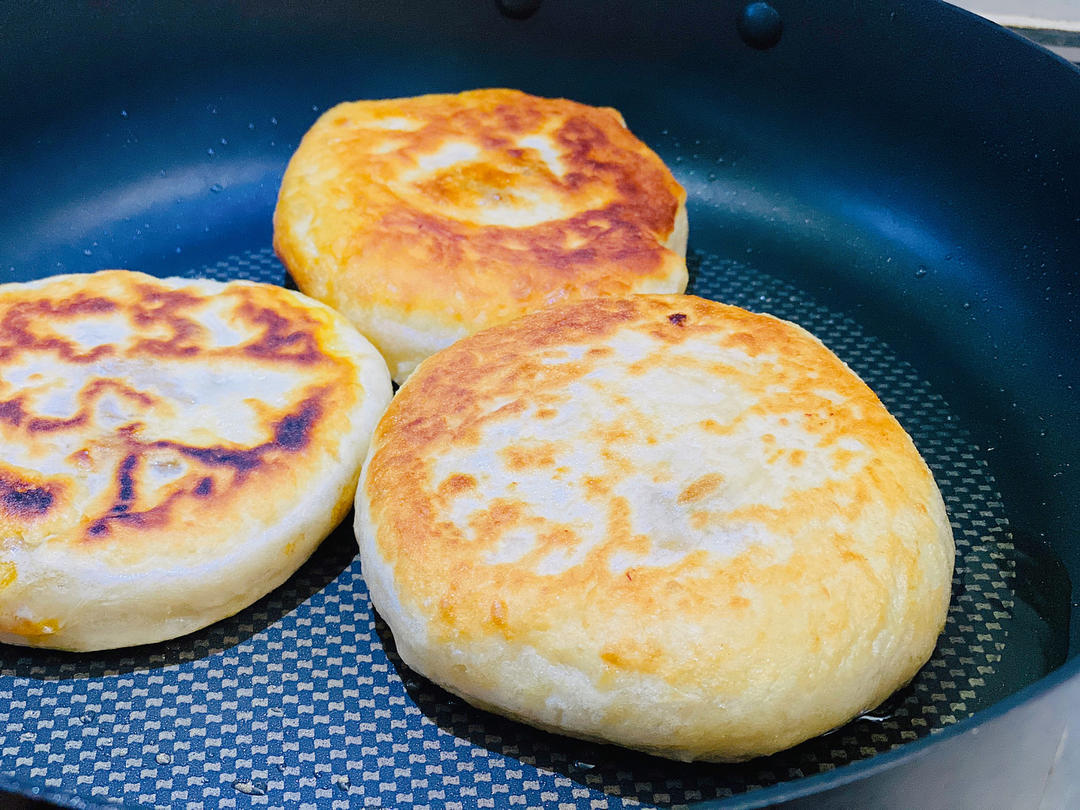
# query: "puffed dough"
658, 521
173, 450
425, 219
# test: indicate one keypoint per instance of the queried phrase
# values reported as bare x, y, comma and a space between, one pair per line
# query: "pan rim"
848, 774
791, 790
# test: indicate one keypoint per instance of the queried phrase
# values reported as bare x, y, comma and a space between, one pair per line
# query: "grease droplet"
875, 718
251, 788
341, 781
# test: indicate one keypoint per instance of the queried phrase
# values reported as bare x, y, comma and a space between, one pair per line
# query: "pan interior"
903, 266
379, 725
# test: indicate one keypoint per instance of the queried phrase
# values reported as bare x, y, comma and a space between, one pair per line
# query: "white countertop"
1054, 24
1057, 15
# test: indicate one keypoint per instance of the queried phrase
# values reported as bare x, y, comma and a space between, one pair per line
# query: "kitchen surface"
1054, 24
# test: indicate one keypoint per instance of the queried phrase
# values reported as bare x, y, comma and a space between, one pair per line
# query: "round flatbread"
173, 450
657, 521
425, 219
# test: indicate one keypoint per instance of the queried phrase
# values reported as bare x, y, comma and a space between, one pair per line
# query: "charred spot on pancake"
12, 411
280, 338
35, 500
16, 334
241, 460
160, 306
87, 397
125, 497
42, 424
292, 431
81, 304
122, 513
158, 303
15, 414
125, 479
23, 499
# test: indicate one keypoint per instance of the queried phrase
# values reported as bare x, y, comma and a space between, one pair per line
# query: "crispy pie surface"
150, 424
695, 506
452, 212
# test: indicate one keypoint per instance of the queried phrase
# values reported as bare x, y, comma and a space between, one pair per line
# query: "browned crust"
132, 514
448, 403
416, 248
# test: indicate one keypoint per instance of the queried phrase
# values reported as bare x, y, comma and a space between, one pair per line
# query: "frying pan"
901, 178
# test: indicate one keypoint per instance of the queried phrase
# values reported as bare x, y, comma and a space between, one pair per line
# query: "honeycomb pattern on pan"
301, 700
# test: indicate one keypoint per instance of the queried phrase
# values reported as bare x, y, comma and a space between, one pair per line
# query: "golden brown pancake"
657, 521
424, 219
173, 450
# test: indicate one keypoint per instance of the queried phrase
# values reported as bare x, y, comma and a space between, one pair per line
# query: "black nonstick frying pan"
901, 178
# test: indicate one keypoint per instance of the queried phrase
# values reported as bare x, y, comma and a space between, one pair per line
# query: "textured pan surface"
302, 699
